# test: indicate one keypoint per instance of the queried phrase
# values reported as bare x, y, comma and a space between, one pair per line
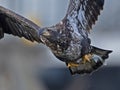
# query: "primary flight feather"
68, 40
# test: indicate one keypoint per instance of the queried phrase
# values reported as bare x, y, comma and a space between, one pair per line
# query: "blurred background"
31, 66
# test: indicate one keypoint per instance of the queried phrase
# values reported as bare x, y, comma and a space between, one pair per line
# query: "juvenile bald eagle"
68, 40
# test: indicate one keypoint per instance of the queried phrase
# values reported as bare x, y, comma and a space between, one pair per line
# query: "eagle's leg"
72, 64
86, 58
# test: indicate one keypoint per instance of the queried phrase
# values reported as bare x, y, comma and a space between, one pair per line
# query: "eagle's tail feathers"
97, 60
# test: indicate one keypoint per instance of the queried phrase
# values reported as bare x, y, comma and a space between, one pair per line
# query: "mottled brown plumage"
68, 39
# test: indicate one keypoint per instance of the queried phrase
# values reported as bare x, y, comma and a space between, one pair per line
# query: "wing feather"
12, 23
85, 12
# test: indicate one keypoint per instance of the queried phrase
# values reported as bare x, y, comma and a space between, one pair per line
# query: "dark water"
107, 78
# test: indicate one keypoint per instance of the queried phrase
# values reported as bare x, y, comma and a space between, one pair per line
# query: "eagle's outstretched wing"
12, 23
84, 12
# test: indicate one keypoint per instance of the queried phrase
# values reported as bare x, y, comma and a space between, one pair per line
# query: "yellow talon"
72, 64
86, 58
